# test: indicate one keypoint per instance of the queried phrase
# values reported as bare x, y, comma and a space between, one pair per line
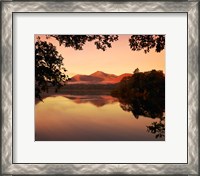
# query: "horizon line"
74, 74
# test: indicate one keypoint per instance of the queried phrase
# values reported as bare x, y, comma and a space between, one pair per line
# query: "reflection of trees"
143, 94
157, 128
153, 107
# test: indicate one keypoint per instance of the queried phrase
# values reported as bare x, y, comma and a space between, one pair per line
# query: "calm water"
89, 118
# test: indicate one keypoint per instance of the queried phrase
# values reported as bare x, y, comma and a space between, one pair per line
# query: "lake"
90, 118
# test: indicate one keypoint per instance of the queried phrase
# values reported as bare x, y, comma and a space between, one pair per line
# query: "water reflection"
157, 128
148, 107
89, 118
96, 100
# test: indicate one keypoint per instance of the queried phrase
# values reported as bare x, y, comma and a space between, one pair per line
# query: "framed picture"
99, 87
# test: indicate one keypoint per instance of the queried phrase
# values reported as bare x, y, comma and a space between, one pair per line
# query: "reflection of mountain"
98, 100
98, 77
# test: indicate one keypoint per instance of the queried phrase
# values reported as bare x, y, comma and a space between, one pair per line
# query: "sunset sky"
116, 60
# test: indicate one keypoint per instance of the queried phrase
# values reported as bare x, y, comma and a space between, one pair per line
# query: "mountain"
104, 76
87, 78
97, 77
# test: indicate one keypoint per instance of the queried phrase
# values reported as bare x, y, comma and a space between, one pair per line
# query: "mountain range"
97, 77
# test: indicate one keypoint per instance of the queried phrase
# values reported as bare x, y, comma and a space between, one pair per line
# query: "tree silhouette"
136, 71
157, 128
143, 93
49, 70
78, 41
147, 42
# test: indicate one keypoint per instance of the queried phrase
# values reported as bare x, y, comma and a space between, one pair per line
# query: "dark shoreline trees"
143, 93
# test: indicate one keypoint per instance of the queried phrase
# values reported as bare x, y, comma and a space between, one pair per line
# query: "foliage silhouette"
136, 42
142, 94
78, 41
157, 128
147, 42
49, 70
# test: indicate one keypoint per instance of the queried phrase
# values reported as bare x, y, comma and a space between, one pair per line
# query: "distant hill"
97, 77
104, 76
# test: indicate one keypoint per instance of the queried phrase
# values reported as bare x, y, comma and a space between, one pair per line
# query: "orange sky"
116, 60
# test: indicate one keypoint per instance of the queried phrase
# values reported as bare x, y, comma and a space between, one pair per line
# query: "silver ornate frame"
8, 7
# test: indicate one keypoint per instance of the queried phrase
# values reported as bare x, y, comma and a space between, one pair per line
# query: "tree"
136, 71
49, 70
147, 42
